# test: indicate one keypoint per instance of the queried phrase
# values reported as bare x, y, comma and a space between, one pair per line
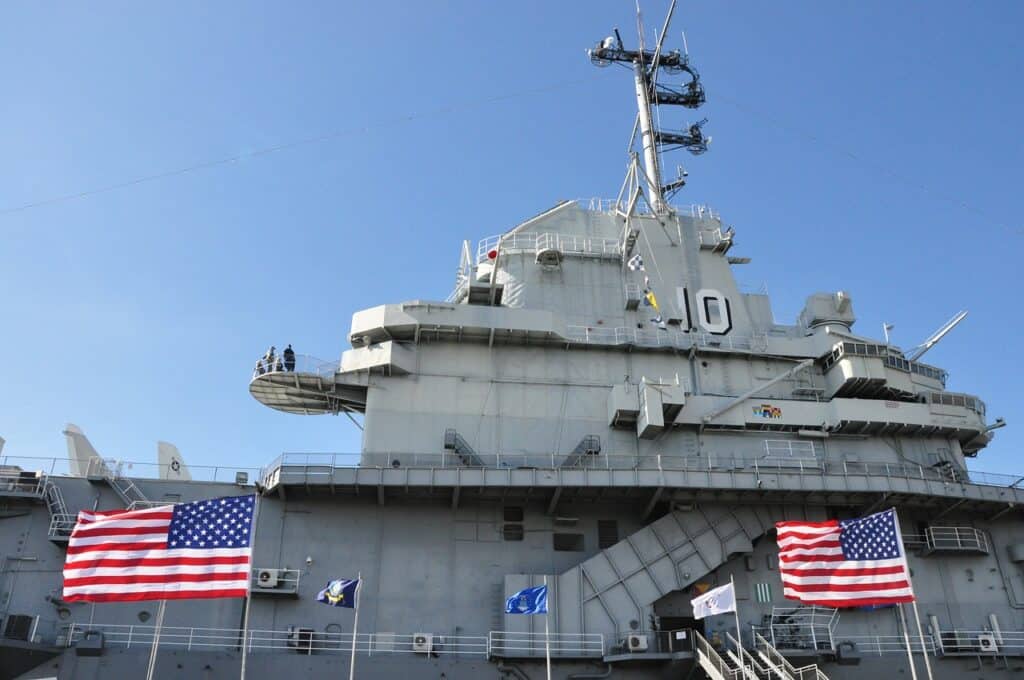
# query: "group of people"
271, 362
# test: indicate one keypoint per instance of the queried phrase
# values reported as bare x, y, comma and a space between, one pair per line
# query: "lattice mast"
646, 66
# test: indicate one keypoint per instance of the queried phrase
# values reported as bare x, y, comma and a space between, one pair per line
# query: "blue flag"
339, 593
528, 601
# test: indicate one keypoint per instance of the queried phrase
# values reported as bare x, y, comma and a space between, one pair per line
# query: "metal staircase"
125, 488
61, 521
780, 666
712, 663
621, 583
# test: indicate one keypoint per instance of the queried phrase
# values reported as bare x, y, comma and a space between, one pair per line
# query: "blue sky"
872, 146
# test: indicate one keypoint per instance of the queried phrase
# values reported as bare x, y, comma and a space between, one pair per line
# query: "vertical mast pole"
903, 552
652, 168
355, 627
248, 590
547, 634
156, 639
736, 613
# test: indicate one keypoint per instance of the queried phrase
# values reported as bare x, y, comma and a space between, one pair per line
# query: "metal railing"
777, 662
955, 539
60, 467
973, 642
584, 246
888, 644
304, 364
14, 480
612, 206
315, 464
712, 662
494, 644
527, 645
61, 525
654, 337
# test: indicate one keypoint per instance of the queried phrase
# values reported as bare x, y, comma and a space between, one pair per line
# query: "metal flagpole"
355, 627
906, 639
156, 639
736, 613
248, 590
547, 635
917, 616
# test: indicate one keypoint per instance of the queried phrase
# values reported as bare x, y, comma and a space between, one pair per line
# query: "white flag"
716, 601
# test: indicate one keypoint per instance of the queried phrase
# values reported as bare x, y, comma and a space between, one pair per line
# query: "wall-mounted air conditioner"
636, 643
987, 643
267, 578
422, 642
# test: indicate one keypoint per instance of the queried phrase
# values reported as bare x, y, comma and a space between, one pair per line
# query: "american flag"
847, 563
188, 550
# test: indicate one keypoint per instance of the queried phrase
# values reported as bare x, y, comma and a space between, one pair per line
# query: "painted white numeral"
713, 312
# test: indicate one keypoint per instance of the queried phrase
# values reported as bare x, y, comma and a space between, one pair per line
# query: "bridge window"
568, 542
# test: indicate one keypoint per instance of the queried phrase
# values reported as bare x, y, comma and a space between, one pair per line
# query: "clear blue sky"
870, 146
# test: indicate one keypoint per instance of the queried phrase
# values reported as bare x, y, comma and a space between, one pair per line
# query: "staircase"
780, 667
132, 496
711, 662
621, 583
61, 521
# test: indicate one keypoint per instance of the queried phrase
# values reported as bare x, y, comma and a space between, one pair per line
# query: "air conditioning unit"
636, 643
267, 578
422, 643
987, 643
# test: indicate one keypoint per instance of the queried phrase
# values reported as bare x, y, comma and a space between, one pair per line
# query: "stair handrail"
782, 665
746, 657
714, 659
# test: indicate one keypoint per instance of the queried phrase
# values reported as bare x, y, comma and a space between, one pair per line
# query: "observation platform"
309, 386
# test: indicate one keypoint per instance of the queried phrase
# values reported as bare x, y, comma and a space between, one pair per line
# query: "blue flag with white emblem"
528, 601
339, 593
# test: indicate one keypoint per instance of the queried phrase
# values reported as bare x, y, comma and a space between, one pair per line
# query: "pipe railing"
61, 467
302, 364
529, 645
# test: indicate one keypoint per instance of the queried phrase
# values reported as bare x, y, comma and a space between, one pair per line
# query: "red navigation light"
492, 254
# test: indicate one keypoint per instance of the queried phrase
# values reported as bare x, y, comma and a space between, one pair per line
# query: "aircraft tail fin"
83, 459
172, 465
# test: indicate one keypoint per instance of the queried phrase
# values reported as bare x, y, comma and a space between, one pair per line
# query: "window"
512, 532
607, 533
568, 542
513, 514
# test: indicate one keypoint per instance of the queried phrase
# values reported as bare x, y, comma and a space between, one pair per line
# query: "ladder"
61, 521
132, 496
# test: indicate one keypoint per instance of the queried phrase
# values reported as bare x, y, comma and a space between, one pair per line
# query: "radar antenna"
646, 65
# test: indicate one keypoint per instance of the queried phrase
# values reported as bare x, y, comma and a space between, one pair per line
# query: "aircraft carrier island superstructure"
597, 404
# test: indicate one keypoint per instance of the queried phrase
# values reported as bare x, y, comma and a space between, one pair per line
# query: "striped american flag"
188, 550
844, 563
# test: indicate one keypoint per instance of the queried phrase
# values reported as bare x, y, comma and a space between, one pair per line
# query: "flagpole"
156, 639
736, 613
917, 616
248, 589
906, 639
547, 635
355, 627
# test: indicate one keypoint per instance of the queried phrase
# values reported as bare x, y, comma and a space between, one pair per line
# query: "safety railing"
974, 642
567, 244
612, 206
750, 665
712, 662
314, 464
955, 539
504, 644
655, 337
777, 662
61, 526
61, 467
880, 645
302, 363
509, 644
15, 481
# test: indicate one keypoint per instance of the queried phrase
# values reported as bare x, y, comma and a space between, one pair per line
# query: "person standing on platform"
289, 358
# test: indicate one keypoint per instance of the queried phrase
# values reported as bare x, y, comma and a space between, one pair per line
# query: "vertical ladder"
61, 521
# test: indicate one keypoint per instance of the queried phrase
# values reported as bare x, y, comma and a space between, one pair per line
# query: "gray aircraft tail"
172, 465
83, 459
